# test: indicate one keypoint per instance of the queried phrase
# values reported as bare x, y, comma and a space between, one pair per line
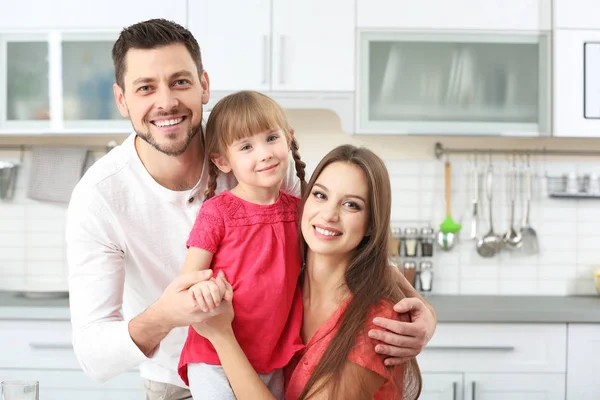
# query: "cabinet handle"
478, 348
50, 346
473, 389
454, 390
265, 59
282, 60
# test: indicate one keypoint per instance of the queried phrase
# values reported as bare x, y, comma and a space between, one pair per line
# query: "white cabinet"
75, 14
576, 14
495, 362
514, 386
276, 46
453, 83
437, 386
583, 374
576, 83
517, 15
42, 351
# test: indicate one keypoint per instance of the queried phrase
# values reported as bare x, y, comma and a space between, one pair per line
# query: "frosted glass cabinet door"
88, 77
453, 83
27, 88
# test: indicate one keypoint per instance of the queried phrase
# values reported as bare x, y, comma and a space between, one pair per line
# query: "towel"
55, 170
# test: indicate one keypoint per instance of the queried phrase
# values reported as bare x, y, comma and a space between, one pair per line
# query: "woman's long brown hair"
368, 277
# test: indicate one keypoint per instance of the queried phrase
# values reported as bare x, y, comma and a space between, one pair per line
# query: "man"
130, 215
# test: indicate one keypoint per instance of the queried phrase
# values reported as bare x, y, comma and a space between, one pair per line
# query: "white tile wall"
32, 233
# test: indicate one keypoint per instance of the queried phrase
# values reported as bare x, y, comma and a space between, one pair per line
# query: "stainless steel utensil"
8, 179
528, 235
491, 243
475, 201
512, 238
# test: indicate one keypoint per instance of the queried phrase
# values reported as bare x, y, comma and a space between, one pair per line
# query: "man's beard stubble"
173, 152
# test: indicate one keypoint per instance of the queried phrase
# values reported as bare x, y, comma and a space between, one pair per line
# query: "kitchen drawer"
75, 385
37, 344
496, 348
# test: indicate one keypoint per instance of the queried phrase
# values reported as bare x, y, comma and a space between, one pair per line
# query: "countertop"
449, 308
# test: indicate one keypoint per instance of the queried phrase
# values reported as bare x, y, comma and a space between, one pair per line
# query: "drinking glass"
20, 390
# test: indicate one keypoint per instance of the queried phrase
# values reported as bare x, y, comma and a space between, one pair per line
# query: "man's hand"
404, 340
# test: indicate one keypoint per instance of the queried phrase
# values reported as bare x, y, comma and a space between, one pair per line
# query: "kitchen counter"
542, 309
449, 308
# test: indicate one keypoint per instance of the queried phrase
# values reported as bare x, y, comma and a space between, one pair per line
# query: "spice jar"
425, 276
410, 242
427, 242
410, 271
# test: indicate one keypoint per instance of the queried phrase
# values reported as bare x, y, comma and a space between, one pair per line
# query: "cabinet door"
577, 14
518, 15
75, 385
576, 83
583, 368
441, 386
515, 386
313, 45
235, 41
75, 14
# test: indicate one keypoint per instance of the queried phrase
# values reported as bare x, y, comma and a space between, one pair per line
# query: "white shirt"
125, 237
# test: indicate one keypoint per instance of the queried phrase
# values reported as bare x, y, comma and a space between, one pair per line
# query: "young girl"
250, 233
346, 282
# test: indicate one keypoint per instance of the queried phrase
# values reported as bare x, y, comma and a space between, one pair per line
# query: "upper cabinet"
277, 45
518, 15
58, 82
75, 14
576, 14
454, 83
576, 109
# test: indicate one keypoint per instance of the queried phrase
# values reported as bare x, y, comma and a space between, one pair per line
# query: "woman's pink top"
363, 353
256, 246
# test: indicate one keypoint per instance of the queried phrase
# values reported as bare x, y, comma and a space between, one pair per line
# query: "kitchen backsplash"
32, 244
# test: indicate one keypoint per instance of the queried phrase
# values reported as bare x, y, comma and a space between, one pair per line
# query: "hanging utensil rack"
440, 151
556, 185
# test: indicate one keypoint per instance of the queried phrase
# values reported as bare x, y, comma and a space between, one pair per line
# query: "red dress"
256, 246
363, 353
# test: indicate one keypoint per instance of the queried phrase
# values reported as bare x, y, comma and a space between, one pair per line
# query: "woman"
346, 281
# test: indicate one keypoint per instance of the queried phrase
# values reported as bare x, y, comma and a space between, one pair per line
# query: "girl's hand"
219, 324
208, 294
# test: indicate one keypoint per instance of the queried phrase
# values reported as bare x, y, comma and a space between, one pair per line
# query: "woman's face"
336, 214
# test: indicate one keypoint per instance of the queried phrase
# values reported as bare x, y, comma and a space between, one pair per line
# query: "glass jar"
410, 242
427, 242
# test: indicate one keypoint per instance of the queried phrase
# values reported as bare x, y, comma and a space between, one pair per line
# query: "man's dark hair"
152, 34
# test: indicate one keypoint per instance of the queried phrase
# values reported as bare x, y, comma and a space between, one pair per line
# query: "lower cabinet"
75, 385
583, 362
474, 386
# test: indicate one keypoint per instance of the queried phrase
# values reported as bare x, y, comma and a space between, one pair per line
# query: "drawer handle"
478, 348
454, 390
51, 346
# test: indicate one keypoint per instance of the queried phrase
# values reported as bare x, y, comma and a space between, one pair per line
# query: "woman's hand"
405, 340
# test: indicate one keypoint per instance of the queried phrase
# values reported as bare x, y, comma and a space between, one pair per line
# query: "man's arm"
405, 340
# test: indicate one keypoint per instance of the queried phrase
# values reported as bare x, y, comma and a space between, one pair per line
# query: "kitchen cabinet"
74, 14
453, 83
576, 83
58, 82
495, 362
576, 14
276, 45
41, 350
583, 373
488, 15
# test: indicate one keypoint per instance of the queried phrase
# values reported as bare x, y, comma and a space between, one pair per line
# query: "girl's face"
260, 160
336, 214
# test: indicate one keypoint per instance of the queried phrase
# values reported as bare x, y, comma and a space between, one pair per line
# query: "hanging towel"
55, 170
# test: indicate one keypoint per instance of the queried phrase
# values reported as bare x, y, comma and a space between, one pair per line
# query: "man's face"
163, 96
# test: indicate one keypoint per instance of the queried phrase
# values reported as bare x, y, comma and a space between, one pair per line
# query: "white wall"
32, 233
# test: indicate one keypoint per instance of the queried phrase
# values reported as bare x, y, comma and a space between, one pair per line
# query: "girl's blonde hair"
241, 115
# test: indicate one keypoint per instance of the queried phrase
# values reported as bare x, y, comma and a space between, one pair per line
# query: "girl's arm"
196, 260
356, 383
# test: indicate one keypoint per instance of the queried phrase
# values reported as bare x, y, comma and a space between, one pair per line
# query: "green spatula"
449, 226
